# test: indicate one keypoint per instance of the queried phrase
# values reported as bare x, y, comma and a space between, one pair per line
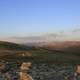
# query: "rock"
23, 71
3, 67
25, 76
25, 66
78, 69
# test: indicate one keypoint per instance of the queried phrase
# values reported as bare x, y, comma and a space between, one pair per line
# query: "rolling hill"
8, 48
14, 51
11, 46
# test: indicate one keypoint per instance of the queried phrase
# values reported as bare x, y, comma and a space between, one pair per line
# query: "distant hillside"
62, 45
75, 49
11, 46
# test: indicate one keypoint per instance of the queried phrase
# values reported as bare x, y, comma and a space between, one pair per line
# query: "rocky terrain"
54, 72
46, 63
40, 71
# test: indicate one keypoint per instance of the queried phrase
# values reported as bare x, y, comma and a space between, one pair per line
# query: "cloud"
76, 30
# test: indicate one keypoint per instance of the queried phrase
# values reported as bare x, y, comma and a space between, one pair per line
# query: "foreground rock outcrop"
24, 71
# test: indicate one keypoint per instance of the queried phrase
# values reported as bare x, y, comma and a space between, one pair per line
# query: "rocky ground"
52, 72
40, 71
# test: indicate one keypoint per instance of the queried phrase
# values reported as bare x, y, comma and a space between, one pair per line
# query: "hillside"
14, 51
75, 50
12, 46
62, 44
8, 48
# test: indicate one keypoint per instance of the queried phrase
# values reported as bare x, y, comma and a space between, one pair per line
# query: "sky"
33, 17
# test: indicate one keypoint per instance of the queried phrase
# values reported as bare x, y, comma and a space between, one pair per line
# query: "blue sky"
24, 17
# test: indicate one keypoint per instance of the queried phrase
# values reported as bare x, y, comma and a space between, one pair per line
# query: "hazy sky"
24, 17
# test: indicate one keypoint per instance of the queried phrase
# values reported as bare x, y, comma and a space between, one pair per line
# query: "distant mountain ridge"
62, 44
72, 35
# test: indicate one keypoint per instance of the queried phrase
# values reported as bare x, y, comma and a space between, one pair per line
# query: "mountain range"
70, 35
